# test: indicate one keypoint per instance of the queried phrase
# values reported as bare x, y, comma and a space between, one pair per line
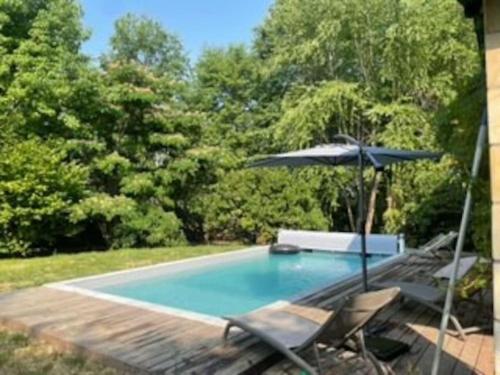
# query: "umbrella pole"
361, 216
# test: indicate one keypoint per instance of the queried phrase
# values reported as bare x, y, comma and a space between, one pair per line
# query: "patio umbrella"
352, 154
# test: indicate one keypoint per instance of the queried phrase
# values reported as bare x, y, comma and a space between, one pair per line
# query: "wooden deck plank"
183, 341
451, 353
469, 355
467, 359
485, 363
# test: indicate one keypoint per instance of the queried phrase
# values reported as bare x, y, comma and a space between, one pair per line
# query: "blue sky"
199, 23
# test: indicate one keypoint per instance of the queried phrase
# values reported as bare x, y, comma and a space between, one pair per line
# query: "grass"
23, 273
20, 355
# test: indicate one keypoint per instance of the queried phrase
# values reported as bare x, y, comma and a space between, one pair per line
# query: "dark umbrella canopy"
354, 154
339, 154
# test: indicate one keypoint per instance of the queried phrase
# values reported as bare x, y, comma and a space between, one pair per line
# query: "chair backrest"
465, 266
440, 241
432, 242
449, 238
355, 313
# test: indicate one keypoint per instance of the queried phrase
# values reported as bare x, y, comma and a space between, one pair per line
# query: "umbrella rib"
322, 161
376, 164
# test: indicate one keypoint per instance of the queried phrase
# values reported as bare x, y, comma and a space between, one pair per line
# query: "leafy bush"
481, 218
37, 190
149, 226
253, 205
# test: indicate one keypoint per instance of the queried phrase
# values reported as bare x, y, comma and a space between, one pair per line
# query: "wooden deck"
145, 342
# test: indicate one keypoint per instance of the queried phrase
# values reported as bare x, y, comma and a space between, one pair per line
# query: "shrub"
149, 226
37, 190
253, 205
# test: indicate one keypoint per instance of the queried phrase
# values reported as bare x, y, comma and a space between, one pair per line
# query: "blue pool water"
244, 285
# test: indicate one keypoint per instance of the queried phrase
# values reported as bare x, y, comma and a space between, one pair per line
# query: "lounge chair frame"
440, 242
462, 332
352, 338
432, 303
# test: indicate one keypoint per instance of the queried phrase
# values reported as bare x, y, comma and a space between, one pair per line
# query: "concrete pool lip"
225, 254
117, 277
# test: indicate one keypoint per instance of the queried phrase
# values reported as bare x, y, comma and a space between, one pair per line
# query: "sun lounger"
436, 245
433, 296
291, 333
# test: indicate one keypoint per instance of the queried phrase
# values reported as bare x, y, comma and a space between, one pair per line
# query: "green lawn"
20, 355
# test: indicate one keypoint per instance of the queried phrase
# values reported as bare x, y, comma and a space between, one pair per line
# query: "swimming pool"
210, 287
245, 285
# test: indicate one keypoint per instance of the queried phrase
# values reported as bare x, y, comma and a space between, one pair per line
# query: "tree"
394, 49
45, 109
385, 69
136, 172
49, 90
229, 89
145, 41
148, 132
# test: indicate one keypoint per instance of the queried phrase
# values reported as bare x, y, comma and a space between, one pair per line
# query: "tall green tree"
230, 90
148, 133
145, 41
51, 91
240, 107
46, 88
385, 72
412, 50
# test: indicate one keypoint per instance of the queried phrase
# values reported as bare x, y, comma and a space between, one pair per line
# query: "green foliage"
478, 280
140, 177
103, 205
149, 226
411, 49
148, 154
112, 164
312, 115
142, 40
252, 205
463, 115
36, 191
229, 88
430, 55
481, 218
47, 80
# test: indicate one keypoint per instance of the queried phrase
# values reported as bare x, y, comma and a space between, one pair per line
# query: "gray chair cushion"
419, 291
289, 329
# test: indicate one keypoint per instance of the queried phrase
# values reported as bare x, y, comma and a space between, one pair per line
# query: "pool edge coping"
157, 265
199, 317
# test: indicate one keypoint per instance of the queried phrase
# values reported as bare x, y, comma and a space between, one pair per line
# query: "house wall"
491, 9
